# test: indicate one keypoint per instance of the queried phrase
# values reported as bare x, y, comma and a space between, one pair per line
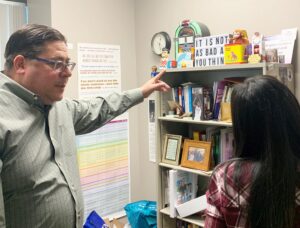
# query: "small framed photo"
172, 147
196, 154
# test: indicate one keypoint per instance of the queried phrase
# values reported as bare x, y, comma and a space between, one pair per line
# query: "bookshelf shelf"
198, 172
186, 126
203, 122
194, 219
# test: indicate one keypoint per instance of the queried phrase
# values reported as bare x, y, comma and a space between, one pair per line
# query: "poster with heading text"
99, 69
103, 154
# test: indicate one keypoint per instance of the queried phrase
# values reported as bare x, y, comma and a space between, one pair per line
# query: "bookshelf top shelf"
219, 68
194, 219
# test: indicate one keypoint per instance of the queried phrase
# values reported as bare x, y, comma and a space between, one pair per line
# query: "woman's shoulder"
230, 183
234, 168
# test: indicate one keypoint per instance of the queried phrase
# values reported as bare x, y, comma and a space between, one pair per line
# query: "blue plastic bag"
94, 221
141, 214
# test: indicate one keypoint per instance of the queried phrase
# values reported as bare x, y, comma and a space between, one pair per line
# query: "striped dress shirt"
40, 184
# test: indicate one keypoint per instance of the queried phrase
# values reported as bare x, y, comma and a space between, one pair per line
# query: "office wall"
267, 17
39, 12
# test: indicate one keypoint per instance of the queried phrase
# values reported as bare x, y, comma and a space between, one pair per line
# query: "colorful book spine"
219, 90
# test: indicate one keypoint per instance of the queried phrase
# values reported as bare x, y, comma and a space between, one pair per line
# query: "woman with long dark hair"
260, 188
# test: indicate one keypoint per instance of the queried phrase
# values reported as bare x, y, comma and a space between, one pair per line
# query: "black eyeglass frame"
56, 64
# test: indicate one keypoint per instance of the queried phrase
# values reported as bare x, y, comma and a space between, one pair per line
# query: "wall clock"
160, 41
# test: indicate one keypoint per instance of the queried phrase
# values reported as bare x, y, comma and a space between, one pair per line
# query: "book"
202, 103
175, 94
234, 80
182, 188
271, 56
165, 181
187, 90
197, 94
196, 135
181, 98
172, 192
207, 104
213, 135
218, 94
227, 141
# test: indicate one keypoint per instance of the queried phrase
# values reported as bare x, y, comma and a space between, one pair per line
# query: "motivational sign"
209, 50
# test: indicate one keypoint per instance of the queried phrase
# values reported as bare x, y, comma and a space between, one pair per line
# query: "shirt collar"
29, 97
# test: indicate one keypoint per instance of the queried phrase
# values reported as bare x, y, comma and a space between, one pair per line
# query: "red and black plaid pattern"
227, 208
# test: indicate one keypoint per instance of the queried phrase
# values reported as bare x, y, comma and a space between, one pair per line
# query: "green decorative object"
185, 41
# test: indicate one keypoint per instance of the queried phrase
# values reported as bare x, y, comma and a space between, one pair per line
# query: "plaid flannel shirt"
227, 208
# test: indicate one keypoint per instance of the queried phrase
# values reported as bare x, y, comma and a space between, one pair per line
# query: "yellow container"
235, 53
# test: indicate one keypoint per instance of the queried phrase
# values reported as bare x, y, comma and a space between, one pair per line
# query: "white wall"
39, 12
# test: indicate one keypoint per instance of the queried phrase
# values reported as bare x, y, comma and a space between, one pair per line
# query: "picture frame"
172, 149
196, 154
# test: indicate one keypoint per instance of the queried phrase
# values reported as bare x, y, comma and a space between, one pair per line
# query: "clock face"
160, 41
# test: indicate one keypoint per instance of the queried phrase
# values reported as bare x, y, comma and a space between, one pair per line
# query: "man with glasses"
39, 185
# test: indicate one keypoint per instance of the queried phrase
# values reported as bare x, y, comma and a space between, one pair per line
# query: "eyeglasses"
57, 64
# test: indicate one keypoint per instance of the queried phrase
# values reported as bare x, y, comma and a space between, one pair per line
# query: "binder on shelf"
165, 181
172, 193
182, 188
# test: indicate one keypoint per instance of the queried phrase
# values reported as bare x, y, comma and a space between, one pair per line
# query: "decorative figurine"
164, 59
239, 36
254, 58
257, 52
154, 71
257, 43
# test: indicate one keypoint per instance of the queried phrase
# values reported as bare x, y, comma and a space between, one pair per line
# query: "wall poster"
152, 130
103, 154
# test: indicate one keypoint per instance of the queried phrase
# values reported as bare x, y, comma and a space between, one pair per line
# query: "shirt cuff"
135, 95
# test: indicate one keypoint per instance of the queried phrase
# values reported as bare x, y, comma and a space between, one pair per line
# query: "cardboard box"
191, 207
116, 223
235, 53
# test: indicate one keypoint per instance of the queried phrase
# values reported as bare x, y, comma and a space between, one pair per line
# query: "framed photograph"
196, 154
172, 147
